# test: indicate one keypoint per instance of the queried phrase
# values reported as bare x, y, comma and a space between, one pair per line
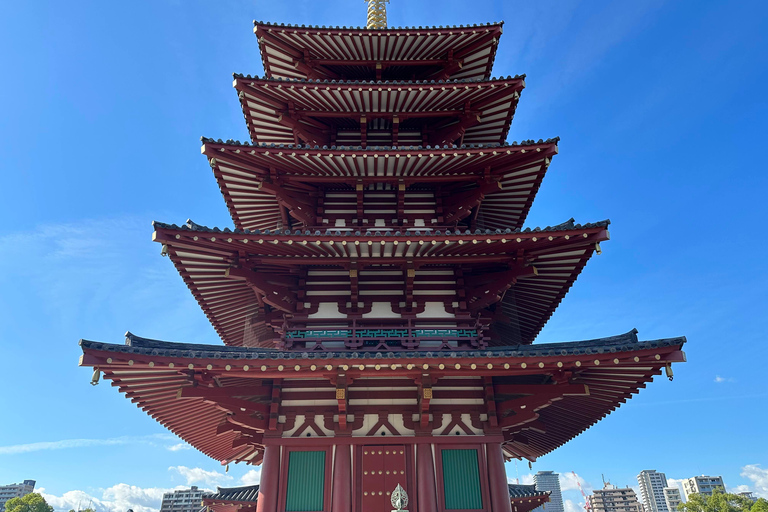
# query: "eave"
153, 374
288, 112
204, 257
329, 52
240, 169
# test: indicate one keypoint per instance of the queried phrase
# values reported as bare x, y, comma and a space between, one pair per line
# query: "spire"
377, 13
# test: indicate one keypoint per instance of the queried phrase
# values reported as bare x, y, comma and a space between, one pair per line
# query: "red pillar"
268, 484
497, 479
425, 479
342, 479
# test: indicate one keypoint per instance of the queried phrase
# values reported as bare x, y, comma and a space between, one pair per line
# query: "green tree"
33, 502
719, 502
92, 510
760, 505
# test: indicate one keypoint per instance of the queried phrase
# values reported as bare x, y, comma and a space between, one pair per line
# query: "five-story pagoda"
378, 296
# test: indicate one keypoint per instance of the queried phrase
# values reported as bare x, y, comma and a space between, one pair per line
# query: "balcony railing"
384, 334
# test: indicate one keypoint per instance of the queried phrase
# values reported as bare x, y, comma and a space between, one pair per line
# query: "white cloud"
738, 488
720, 380
117, 498
80, 443
200, 475
252, 477
570, 506
177, 447
570, 482
759, 477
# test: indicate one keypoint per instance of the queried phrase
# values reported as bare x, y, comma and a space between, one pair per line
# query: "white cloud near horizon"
121, 497
759, 478
64, 444
199, 475
118, 498
720, 380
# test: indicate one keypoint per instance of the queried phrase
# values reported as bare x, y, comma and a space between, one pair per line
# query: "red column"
342, 479
425, 479
497, 479
268, 484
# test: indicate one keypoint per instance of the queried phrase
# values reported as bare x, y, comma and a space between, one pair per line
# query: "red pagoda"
378, 297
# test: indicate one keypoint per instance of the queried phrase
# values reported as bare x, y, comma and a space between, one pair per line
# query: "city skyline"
642, 144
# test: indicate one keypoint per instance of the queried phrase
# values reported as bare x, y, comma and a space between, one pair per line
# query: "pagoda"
378, 296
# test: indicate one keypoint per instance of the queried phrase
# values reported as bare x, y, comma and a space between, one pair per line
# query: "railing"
375, 334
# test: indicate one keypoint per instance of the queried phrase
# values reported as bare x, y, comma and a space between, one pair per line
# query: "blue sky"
661, 109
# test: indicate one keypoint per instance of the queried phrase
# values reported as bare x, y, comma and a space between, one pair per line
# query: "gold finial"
377, 13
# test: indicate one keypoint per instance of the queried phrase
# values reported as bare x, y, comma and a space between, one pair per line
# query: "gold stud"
109, 360
297, 368
559, 364
597, 362
616, 361
473, 366
425, 366
378, 367
246, 368
209, 367
130, 362
228, 367
637, 359
280, 368
191, 366
506, 366
441, 366
263, 368
361, 367
457, 366
171, 365
657, 357
541, 365
151, 364
523, 365
489, 366
329, 367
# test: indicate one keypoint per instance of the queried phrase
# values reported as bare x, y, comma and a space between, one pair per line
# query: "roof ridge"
323, 27
437, 147
376, 82
374, 231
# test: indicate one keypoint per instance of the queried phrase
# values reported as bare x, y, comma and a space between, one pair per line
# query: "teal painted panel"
306, 481
461, 480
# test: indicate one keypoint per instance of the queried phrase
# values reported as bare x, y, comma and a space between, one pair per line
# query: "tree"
760, 505
92, 510
33, 502
721, 502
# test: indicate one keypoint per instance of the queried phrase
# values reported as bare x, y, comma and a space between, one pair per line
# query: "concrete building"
673, 498
15, 491
549, 481
749, 495
702, 485
652, 484
612, 499
184, 500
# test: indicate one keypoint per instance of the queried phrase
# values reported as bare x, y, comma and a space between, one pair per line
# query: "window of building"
306, 481
461, 480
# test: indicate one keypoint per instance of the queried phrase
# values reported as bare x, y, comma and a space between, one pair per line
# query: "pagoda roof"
241, 167
203, 256
525, 491
245, 493
291, 51
153, 374
281, 111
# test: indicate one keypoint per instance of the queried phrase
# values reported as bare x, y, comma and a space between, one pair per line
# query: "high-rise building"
613, 499
549, 481
702, 485
8, 492
652, 484
673, 498
379, 293
183, 500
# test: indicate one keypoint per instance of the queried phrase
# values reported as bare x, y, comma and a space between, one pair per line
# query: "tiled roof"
525, 491
245, 493
568, 225
627, 342
323, 27
383, 82
528, 142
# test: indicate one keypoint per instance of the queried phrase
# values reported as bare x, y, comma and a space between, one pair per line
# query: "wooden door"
383, 468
